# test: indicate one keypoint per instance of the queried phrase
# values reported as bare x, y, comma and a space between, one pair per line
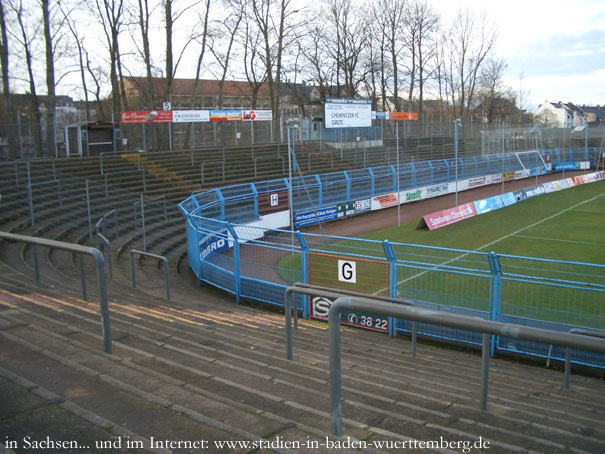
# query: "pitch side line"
560, 241
498, 240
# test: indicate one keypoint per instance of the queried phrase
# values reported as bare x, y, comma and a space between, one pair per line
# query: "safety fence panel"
384, 179
442, 279
334, 187
269, 261
360, 183
306, 192
552, 295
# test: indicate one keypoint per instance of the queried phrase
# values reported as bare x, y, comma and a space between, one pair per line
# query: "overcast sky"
558, 46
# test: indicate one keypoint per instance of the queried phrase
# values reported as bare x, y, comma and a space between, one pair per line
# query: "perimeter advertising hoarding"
146, 116
226, 115
257, 115
348, 113
319, 307
310, 217
450, 216
190, 116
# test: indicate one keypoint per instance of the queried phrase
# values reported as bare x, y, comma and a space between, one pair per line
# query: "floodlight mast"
457, 122
292, 124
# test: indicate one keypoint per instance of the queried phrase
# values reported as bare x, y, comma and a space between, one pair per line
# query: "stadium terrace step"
430, 396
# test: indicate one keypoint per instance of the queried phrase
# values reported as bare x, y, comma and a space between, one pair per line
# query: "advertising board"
146, 116
257, 115
362, 206
310, 217
450, 216
190, 116
346, 209
226, 115
384, 201
348, 113
212, 245
320, 306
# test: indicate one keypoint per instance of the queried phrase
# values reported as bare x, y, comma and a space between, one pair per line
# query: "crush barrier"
232, 246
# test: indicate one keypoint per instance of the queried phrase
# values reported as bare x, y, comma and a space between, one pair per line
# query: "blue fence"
228, 250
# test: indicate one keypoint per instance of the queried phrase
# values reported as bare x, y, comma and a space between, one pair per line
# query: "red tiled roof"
184, 87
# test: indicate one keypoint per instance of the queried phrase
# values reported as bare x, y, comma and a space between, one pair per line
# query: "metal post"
30, 203
290, 202
485, 369
586, 145
83, 278
457, 138
88, 211
397, 174
414, 337
36, 265
567, 378
143, 222
335, 373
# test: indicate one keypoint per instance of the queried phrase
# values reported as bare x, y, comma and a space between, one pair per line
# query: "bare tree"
469, 42
51, 107
79, 40
255, 70
423, 24
492, 92
349, 31
4, 61
27, 29
316, 66
110, 14
202, 39
389, 16
278, 23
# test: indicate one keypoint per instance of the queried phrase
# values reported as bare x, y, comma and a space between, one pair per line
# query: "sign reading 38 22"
320, 307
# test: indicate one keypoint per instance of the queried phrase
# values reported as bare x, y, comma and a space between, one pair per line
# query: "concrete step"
261, 379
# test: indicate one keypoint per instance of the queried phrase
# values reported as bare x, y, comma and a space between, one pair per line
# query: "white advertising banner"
348, 113
257, 115
190, 116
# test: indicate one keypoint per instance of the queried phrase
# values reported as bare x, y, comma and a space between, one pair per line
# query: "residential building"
560, 115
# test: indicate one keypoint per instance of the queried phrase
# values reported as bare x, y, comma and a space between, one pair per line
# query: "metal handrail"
107, 244
122, 173
487, 327
149, 199
215, 163
329, 292
30, 197
155, 256
77, 248
102, 222
579, 332
269, 158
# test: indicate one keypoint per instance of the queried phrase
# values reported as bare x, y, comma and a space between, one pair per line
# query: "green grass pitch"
568, 225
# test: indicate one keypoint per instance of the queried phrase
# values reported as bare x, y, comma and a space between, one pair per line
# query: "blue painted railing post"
372, 182
320, 201
389, 252
413, 174
255, 192
346, 174
222, 203
236, 264
495, 300
305, 269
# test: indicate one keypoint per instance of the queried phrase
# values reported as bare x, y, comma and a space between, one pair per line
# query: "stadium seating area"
199, 367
